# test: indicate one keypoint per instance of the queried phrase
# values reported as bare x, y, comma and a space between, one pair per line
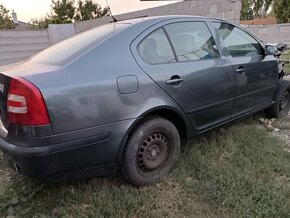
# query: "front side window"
155, 48
192, 41
238, 42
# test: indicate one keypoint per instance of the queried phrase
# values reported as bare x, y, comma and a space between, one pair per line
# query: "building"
19, 25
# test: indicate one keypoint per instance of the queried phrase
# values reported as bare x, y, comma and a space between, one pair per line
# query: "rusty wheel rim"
153, 153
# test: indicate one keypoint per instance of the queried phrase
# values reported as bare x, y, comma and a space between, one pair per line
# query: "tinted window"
192, 41
238, 42
155, 48
69, 48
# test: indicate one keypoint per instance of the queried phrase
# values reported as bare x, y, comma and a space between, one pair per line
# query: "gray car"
123, 97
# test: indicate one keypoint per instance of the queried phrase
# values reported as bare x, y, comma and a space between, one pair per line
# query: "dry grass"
287, 66
238, 172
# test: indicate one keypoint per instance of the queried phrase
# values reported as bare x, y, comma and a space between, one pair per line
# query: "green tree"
261, 7
88, 10
281, 10
252, 9
247, 12
5, 20
40, 23
63, 11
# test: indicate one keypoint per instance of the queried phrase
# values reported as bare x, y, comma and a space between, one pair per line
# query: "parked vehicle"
123, 96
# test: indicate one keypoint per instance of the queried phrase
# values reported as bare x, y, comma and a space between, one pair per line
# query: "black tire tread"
131, 174
273, 111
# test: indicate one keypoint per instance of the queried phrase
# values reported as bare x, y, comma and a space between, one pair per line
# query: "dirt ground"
279, 128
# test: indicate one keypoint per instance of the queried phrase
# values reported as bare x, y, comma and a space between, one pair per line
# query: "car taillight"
25, 105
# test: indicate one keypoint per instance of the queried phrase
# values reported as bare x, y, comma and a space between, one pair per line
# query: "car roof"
164, 18
156, 18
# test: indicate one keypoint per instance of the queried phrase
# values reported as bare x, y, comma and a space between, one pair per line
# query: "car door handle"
241, 70
174, 80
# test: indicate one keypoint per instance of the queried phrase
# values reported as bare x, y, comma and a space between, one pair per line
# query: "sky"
28, 9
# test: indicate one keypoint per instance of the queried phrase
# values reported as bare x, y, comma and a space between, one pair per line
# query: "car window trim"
170, 42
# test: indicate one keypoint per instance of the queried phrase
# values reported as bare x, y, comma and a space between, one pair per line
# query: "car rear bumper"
89, 155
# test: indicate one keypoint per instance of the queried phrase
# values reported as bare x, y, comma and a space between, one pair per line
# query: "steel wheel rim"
284, 101
154, 152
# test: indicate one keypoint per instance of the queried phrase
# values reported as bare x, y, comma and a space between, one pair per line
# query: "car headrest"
149, 50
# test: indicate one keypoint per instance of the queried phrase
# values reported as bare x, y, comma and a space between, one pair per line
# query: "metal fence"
18, 45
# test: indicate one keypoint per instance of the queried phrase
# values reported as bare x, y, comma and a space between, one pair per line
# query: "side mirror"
272, 50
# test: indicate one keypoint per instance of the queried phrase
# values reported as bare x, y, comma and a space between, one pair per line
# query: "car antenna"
114, 19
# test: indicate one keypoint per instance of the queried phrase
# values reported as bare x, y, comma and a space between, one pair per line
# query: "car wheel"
152, 151
282, 101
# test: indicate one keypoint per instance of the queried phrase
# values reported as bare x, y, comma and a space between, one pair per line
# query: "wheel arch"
179, 120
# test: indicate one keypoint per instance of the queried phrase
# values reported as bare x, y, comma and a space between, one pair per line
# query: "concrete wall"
225, 9
19, 45
16, 46
59, 32
272, 33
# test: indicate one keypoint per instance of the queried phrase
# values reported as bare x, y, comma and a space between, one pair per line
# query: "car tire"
151, 152
282, 101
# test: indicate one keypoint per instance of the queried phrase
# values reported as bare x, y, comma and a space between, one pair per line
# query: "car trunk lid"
19, 73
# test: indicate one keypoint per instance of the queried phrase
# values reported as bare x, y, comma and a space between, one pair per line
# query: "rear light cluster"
25, 105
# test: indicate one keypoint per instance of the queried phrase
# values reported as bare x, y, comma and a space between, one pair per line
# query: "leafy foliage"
40, 23
88, 10
67, 11
252, 9
63, 11
5, 19
281, 10
261, 8
247, 12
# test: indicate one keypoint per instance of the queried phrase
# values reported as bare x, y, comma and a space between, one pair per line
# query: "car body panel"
68, 152
97, 98
255, 85
214, 76
74, 94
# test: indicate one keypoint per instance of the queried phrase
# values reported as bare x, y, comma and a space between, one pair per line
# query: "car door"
183, 59
255, 73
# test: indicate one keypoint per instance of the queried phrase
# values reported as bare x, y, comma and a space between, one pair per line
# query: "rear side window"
155, 48
66, 50
192, 41
238, 42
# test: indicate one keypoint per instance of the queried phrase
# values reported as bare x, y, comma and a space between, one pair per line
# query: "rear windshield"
66, 50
